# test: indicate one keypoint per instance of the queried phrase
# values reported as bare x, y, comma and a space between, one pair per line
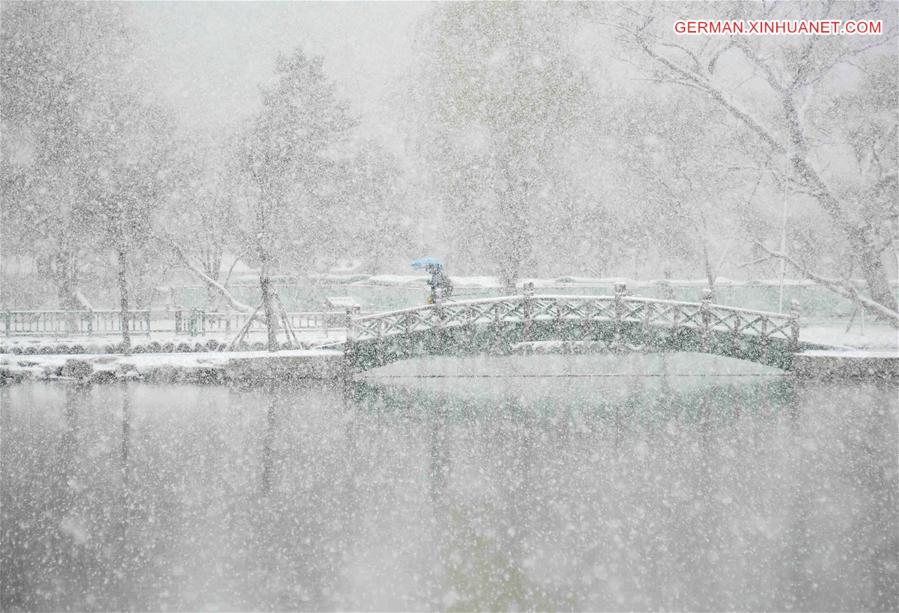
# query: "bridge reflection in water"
618, 323
634, 491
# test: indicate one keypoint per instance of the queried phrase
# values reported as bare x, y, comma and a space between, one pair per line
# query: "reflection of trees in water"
57, 537
843, 498
129, 553
35, 515
268, 453
876, 485
301, 525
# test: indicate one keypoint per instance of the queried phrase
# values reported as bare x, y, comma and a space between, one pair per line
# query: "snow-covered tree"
772, 87
289, 154
59, 62
125, 175
375, 218
500, 94
203, 204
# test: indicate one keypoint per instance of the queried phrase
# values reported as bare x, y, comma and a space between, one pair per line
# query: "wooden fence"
189, 322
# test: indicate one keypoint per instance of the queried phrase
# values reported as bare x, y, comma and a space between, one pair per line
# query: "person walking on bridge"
439, 281
441, 286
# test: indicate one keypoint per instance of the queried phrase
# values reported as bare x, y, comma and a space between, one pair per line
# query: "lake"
548, 482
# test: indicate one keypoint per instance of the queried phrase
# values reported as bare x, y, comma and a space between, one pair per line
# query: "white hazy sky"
206, 59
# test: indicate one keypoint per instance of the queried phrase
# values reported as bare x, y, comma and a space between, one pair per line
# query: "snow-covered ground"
876, 336
100, 343
166, 366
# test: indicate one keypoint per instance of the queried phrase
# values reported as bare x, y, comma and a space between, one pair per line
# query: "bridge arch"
617, 323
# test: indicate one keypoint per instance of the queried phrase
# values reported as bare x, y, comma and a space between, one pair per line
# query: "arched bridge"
593, 323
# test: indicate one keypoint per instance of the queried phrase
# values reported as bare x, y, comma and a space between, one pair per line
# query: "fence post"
90, 322
348, 349
587, 321
647, 326
441, 320
469, 332
735, 337
407, 335
379, 345
7, 322
527, 310
795, 311
705, 310
148, 322
497, 328
620, 293
178, 320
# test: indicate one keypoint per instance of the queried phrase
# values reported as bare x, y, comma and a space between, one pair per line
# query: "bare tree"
288, 154
799, 73
59, 62
500, 94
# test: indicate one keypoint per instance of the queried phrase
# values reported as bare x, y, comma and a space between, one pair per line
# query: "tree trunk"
860, 239
67, 281
66, 273
508, 276
873, 270
707, 263
123, 294
210, 282
212, 263
265, 283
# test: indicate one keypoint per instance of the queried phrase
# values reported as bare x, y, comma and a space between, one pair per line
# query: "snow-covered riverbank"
207, 358
172, 367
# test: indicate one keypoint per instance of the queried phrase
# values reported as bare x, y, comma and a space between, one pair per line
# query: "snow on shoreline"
98, 368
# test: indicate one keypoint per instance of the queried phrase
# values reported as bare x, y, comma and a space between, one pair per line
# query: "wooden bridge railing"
528, 309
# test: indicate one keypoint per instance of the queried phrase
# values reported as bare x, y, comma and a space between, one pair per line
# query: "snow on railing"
191, 322
526, 310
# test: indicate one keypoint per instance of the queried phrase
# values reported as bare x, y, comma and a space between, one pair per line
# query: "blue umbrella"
425, 262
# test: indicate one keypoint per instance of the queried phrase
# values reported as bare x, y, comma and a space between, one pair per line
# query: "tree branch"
833, 284
801, 166
198, 272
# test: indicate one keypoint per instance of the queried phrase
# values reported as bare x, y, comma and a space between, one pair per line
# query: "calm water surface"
549, 487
